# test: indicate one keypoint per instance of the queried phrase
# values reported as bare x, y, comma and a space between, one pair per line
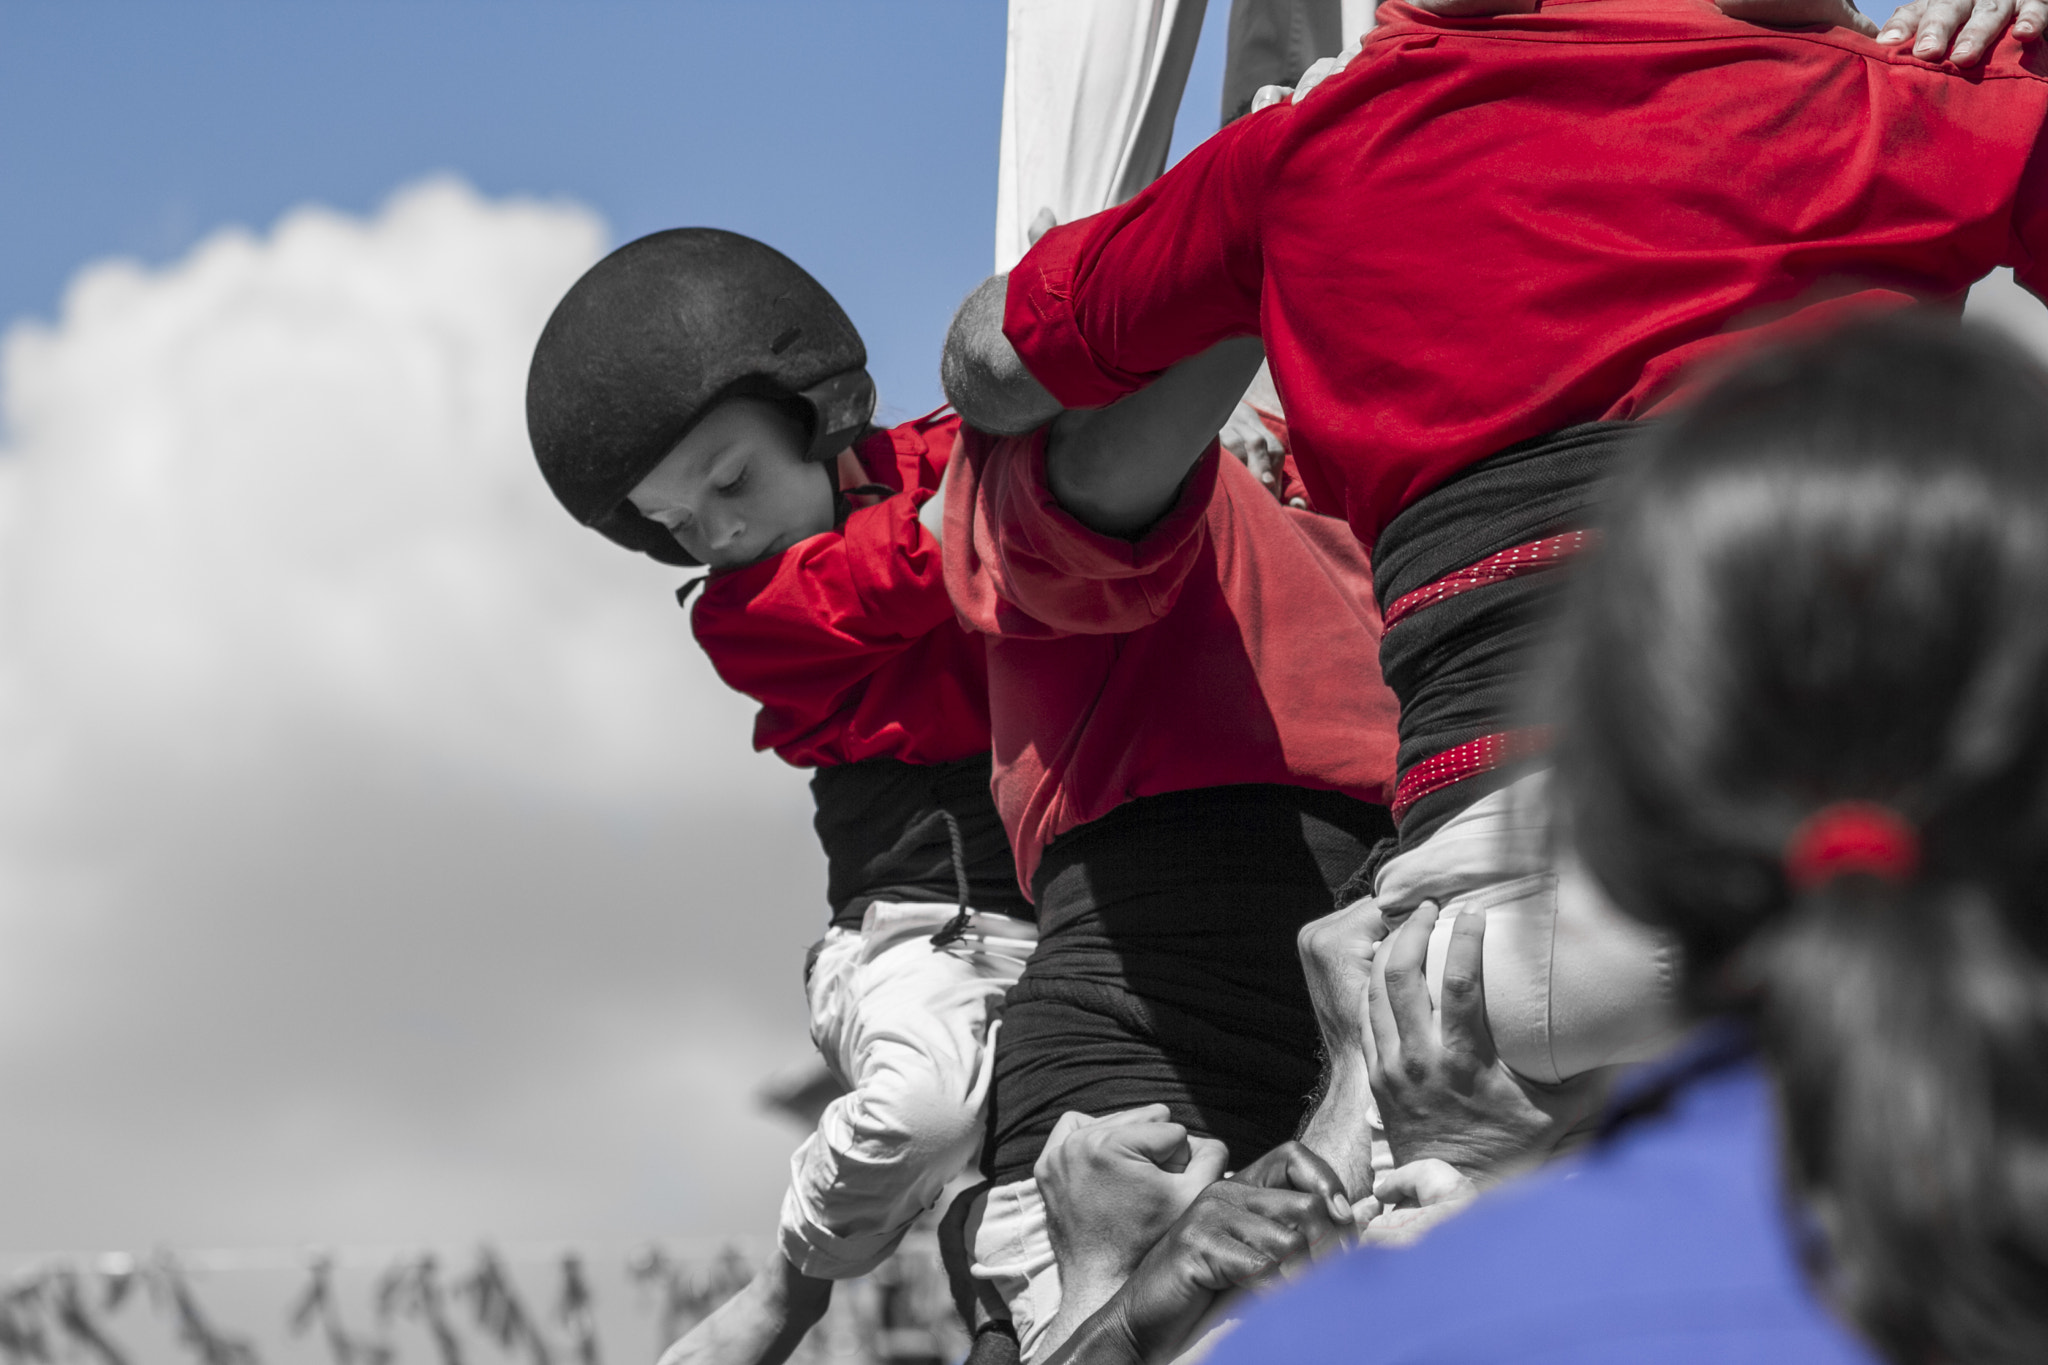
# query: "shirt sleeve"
802, 629
1020, 567
2029, 251
1099, 307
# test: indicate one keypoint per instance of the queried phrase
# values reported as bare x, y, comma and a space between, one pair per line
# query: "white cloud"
379, 858
286, 482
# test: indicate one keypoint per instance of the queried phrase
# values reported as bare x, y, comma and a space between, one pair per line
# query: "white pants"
1572, 983
1013, 1253
910, 1029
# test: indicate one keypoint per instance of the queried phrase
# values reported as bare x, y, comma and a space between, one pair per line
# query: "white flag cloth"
1090, 90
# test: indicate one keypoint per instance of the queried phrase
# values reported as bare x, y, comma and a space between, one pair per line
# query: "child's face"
737, 488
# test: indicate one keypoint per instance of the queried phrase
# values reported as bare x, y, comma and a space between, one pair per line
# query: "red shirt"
1237, 642
1486, 230
847, 639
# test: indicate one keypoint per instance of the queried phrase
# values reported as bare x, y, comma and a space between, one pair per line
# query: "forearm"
1118, 469
1341, 1126
1102, 1338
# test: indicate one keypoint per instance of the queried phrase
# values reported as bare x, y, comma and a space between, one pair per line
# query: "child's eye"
737, 481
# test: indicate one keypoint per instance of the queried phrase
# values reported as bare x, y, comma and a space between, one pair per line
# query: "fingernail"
1891, 35
1340, 1208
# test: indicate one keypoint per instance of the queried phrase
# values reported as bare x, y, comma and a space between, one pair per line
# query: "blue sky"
859, 136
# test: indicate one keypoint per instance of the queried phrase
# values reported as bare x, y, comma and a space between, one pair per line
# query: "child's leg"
909, 1028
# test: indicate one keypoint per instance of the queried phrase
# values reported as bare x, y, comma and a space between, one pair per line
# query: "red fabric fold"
848, 639
1237, 642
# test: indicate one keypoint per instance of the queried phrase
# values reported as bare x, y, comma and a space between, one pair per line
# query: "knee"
912, 1103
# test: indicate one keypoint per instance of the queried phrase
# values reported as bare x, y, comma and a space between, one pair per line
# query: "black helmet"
656, 334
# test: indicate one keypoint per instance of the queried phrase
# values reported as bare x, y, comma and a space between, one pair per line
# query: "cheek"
811, 490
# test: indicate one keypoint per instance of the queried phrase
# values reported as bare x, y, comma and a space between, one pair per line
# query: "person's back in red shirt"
1193, 752
1485, 232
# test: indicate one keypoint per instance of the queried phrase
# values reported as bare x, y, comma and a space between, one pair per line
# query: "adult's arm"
1239, 1233
1113, 1186
1117, 470
1443, 1092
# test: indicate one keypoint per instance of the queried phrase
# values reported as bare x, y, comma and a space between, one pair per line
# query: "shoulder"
1665, 1243
912, 455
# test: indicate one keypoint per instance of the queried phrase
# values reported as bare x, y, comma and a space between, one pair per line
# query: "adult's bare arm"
984, 378
1336, 956
1118, 469
1235, 1235
1112, 1187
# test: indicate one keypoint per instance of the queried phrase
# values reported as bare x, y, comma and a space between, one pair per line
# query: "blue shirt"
1668, 1242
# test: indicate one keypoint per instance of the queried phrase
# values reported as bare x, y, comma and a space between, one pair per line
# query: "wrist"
1339, 1129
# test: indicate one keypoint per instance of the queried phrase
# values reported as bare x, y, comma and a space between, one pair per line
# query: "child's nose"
726, 529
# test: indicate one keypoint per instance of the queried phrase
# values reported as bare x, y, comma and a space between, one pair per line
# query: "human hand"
1247, 436
1113, 1185
1415, 1198
1963, 29
1292, 1166
1442, 1090
1234, 1236
1336, 957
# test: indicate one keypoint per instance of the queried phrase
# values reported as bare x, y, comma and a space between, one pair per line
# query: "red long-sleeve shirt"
1483, 231
1237, 642
848, 639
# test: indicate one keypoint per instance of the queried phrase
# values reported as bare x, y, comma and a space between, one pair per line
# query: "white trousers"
1013, 1253
910, 1030
1572, 983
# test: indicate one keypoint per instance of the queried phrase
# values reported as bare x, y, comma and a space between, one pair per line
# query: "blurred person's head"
690, 394
1804, 726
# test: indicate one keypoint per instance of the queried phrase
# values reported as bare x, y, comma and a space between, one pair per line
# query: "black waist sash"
1461, 668
889, 831
1166, 968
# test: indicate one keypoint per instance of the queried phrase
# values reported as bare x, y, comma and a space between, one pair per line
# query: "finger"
1904, 23
1070, 1123
1851, 17
1287, 1224
1406, 955
1144, 1113
1987, 21
1161, 1144
1383, 1036
1210, 1158
2033, 19
1461, 1019
1423, 1183
1293, 1166
1938, 25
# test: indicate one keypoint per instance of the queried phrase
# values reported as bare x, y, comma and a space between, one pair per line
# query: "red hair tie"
1851, 837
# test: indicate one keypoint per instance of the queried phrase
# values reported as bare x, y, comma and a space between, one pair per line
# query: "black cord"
955, 928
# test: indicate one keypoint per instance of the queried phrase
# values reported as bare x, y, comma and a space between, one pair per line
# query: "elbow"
984, 378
